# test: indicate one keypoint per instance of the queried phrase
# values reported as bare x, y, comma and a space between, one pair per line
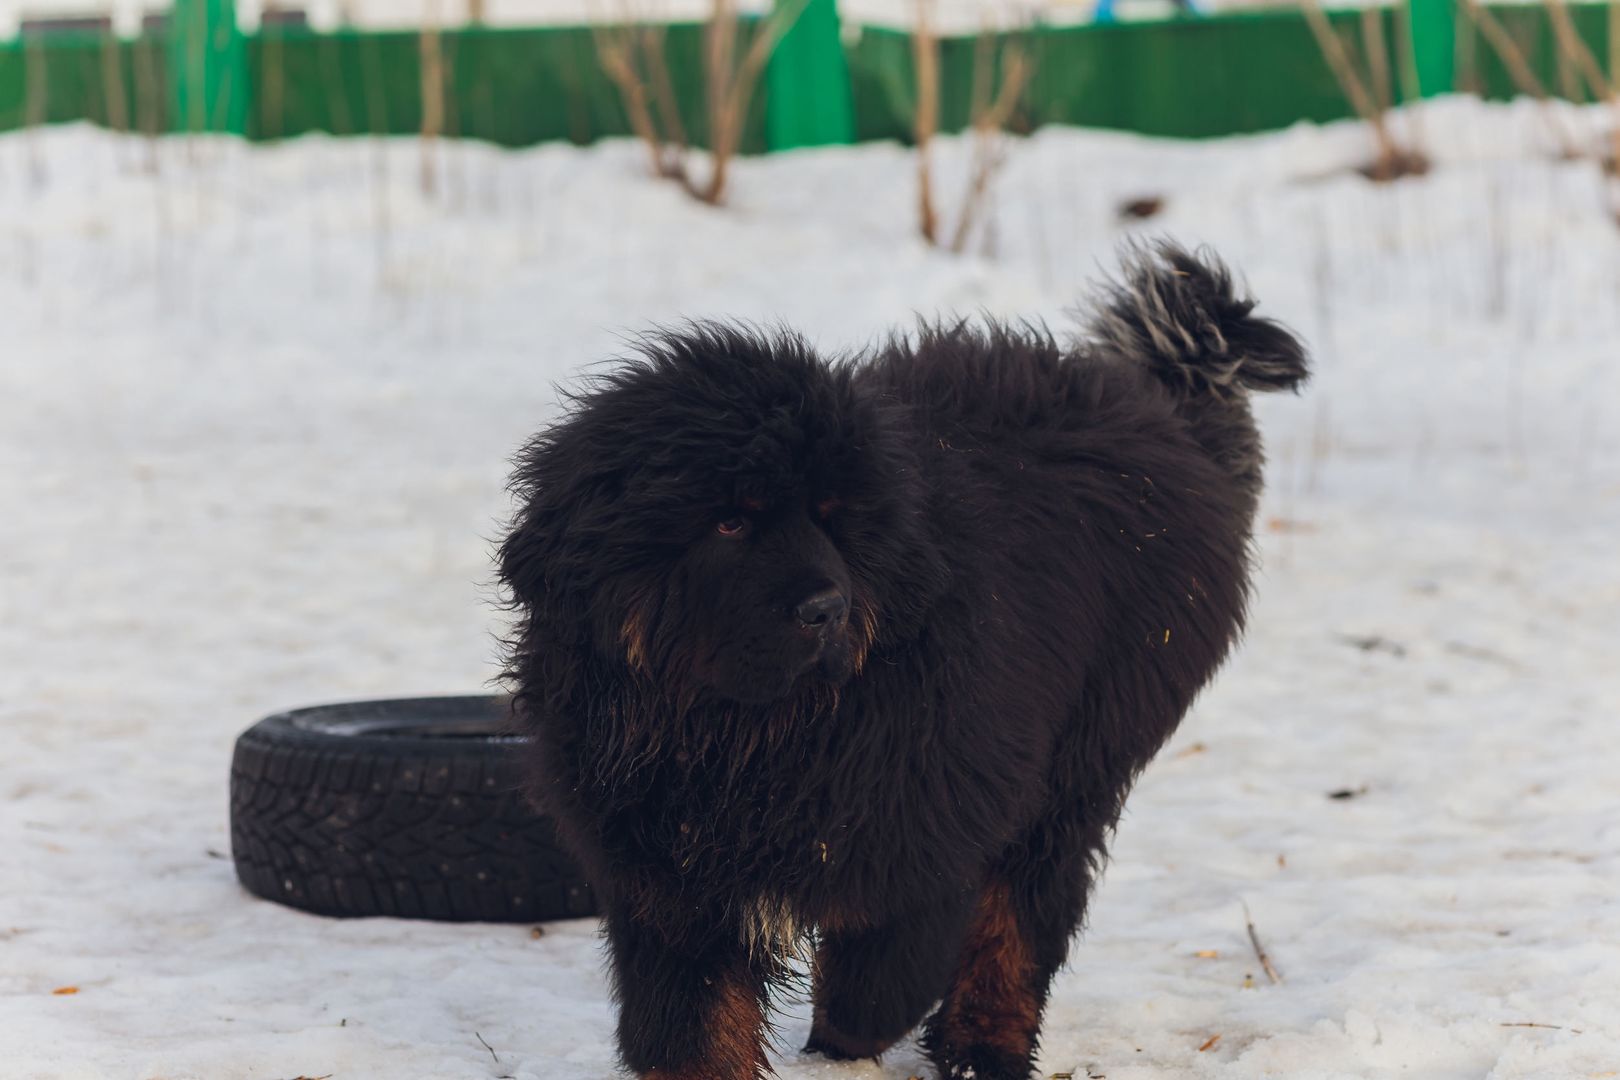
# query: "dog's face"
756, 607
720, 520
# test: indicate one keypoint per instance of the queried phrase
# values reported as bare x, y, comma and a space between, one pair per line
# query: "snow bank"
255, 405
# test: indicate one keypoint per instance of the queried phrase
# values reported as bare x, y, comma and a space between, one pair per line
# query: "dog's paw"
983, 1063
976, 1060
830, 1043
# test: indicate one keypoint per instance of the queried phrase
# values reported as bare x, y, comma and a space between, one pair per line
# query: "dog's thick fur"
866, 654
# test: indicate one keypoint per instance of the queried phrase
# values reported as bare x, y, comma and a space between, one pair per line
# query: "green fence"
512, 87
1192, 77
73, 75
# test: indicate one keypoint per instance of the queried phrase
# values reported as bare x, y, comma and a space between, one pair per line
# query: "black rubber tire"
409, 808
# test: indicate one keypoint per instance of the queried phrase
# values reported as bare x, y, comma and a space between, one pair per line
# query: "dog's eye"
732, 527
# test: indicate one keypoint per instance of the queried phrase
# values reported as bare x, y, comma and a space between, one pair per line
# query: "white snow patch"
255, 406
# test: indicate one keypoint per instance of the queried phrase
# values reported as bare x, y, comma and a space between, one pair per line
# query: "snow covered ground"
255, 407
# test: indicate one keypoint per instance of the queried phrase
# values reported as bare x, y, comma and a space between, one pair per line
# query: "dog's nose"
821, 608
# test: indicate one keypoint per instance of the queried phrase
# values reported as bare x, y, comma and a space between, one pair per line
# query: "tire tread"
371, 830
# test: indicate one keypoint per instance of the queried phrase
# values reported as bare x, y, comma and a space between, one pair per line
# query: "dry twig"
1410, 87
989, 115
112, 78
1259, 949
1377, 50
925, 118
1576, 52
1614, 69
1571, 45
1369, 96
632, 55
431, 53
1512, 57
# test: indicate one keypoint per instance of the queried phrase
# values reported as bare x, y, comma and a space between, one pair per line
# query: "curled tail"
1181, 314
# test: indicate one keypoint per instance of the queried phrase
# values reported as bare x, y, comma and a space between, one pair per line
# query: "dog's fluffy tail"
1181, 313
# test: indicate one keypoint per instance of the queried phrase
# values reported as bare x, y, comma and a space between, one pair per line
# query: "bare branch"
1411, 88
1614, 69
925, 118
1512, 58
780, 21
669, 113
1337, 55
1571, 45
432, 90
727, 125
633, 57
988, 121
112, 78
1338, 58
1259, 949
1507, 49
616, 52
1372, 40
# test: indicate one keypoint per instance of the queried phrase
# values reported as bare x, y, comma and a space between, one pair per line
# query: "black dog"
868, 653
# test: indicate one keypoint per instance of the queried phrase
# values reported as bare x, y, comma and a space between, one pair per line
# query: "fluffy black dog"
866, 654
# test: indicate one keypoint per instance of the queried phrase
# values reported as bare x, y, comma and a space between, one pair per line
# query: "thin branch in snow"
488, 1047
1259, 949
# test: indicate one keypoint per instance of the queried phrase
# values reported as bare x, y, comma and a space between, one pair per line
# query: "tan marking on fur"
633, 635
992, 1001
863, 623
734, 1050
770, 928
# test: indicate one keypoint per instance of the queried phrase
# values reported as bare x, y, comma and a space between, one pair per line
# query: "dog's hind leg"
873, 985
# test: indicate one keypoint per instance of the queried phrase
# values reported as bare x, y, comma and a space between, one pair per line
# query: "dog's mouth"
827, 659
834, 660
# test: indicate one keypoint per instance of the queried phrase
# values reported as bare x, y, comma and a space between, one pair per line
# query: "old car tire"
411, 808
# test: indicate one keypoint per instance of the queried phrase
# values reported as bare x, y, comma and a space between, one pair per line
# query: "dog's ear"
548, 565
544, 554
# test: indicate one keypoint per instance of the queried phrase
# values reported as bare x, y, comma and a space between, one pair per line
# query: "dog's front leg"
691, 1002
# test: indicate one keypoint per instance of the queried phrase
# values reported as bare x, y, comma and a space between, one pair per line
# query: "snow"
255, 406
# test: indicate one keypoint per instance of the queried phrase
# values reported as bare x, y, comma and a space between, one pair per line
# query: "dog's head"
729, 516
